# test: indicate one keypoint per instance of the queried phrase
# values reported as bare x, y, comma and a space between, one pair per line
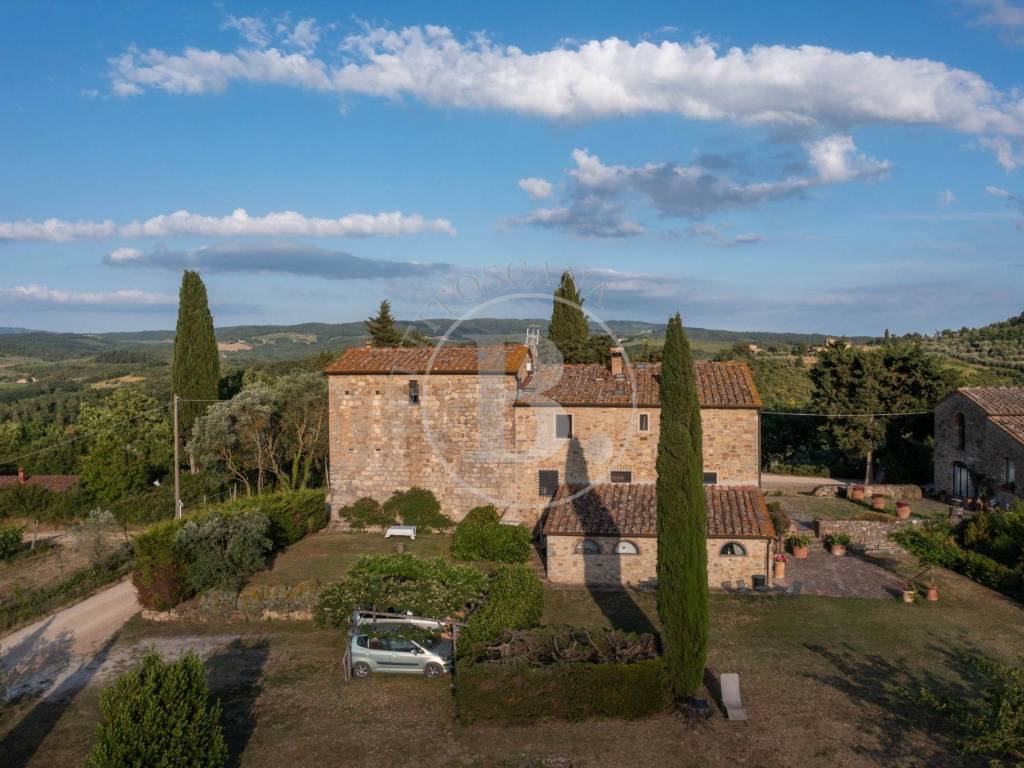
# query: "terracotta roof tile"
997, 401
430, 360
55, 483
1012, 424
620, 509
719, 385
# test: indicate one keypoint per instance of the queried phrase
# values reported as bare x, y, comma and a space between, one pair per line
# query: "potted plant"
838, 542
909, 592
902, 510
933, 591
878, 502
779, 566
799, 544
856, 493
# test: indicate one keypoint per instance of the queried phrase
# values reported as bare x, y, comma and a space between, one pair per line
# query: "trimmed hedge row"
517, 693
515, 600
161, 568
480, 536
416, 506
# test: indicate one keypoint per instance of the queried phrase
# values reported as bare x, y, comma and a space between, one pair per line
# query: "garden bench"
734, 709
408, 531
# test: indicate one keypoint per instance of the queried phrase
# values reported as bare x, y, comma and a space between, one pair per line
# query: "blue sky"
801, 166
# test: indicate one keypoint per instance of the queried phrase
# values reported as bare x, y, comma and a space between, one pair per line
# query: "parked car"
385, 650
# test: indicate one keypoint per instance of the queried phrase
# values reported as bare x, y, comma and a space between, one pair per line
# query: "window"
1009, 472
645, 423
588, 547
961, 431
402, 646
963, 485
626, 548
547, 482
733, 549
363, 641
710, 478
414, 393
563, 425
621, 476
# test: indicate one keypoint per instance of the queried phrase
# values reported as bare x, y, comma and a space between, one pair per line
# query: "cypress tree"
382, 328
682, 520
195, 368
568, 329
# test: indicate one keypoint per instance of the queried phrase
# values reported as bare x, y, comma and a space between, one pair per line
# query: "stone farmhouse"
568, 450
979, 442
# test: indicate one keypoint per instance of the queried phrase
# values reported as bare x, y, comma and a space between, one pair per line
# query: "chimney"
616, 361
22, 478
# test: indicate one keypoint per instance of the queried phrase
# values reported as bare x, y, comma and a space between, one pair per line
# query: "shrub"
520, 693
159, 714
514, 600
367, 513
780, 520
10, 540
479, 536
418, 507
253, 601
222, 550
799, 540
841, 539
292, 514
159, 575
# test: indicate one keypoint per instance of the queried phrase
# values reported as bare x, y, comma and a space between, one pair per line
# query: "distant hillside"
290, 342
998, 347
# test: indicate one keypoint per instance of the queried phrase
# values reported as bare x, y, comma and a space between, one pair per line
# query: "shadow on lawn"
236, 677
886, 684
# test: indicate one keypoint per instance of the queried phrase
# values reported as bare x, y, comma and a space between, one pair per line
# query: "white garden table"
408, 531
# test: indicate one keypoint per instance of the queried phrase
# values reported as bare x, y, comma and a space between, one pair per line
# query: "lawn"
813, 673
805, 506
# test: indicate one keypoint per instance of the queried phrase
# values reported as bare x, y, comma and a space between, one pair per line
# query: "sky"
803, 166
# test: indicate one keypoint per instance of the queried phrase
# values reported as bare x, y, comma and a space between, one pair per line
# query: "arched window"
588, 547
961, 431
733, 549
626, 548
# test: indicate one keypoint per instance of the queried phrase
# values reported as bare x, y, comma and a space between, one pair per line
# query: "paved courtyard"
853, 575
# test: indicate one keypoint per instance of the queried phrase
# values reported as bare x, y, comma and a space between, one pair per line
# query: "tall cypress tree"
195, 369
382, 328
568, 329
682, 519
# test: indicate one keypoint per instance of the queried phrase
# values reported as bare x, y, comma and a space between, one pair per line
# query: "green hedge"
479, 536
518, 693
10, 540
367, 513
419, 507
160, 568
514, 600
24, 606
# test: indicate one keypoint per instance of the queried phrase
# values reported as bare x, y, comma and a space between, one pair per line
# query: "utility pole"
177, 461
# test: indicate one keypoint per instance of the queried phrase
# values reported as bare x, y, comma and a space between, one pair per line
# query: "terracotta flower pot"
909, 595
878, 503
779, 569
800, 553
902, 510
838, 549
933, 593
857, 493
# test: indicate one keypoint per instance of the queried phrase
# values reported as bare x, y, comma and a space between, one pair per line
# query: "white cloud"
124, 255
536, 188
836, 161
41, 295
1006, 154
238, 224
303, 37
946, 198
1014, 201
719, 237
807, 87
252, 29
1002, 15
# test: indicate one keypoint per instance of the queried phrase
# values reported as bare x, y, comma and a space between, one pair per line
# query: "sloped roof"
621, 509
719, 385
1014, 425
55, 483
997, 401
446, 359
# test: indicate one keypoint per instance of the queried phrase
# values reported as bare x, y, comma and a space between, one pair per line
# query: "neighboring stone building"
979, 442
53, 483
607, 534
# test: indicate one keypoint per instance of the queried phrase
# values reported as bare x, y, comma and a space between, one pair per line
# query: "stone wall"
865, 534
898, 492
567, 566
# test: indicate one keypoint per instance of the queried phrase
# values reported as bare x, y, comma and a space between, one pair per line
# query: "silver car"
380, 651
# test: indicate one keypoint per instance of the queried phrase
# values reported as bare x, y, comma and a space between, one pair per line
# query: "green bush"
780, 520
10, 540
418, 507
520, 693
514, 600
159, 714
157, 503
367, 513
479, 536
223, 550
293, 514
159, 575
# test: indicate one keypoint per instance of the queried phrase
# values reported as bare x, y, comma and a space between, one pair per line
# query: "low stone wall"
865, 534
898, 492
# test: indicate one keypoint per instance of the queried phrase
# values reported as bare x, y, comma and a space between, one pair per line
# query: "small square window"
645, 423
563, 426
547, 481
621, 476
414, 393
710, 478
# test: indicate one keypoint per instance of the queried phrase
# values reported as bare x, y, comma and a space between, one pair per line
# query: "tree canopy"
195, 365
382, 328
